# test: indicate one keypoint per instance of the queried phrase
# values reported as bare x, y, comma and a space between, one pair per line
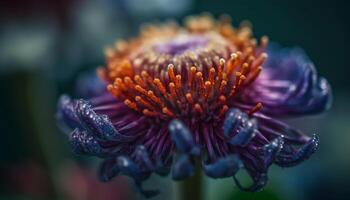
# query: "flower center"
180, 44
194, 73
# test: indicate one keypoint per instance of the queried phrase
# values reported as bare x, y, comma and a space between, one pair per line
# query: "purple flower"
179, 94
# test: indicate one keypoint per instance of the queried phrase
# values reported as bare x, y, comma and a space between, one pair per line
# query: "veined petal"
289, 85
272, 128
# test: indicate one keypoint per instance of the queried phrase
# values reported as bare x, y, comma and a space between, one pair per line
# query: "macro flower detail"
206, 91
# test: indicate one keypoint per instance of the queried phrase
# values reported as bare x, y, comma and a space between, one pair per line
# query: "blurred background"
46, 46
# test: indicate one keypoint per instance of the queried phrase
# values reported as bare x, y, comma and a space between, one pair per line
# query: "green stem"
191, 188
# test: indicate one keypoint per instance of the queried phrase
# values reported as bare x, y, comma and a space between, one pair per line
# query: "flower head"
203, 91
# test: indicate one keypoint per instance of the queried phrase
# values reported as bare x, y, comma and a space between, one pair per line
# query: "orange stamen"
143, 102
191, 77
223, 111
260, 60
128, 82
171, 72
160, 86
172, 91
222, 99
153, 97
189, 98
131, 105
149, 113
223, 86
120, 84
139, 80
200, 82
140, 90
231, 64
255, 109
244, 69
198, 108
178, 82
166, 111
207, 89
221, 67
253, 76
264, 42
211, 75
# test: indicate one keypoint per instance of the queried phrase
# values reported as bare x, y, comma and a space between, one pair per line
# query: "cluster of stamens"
198, 83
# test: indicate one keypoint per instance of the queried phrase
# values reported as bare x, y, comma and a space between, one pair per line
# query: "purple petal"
272, 150
272, 128
124, 165
182, 137
66, 114
289, 157
99, 125
289, 85
142, 156
238, 128
223, 167
297, 147
257, 161
84, 143
130, 168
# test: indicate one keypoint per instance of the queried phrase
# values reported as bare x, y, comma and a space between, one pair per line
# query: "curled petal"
258, 165
223, 167
291, 156
245, 134
183, 168
231, 120
99, 125
66, 114
259, 182
272, 128
271, 150
238, 128
84, 143
142, 156
182, 137
112, 167
289, 85
128, 167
